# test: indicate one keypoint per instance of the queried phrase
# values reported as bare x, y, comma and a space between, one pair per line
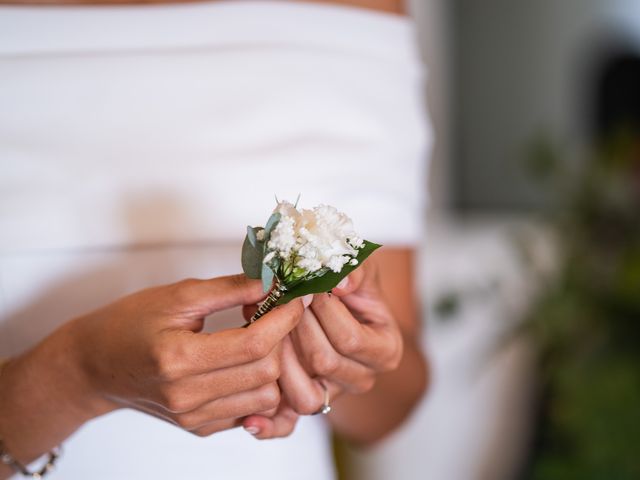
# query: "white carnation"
314, 239
287, 209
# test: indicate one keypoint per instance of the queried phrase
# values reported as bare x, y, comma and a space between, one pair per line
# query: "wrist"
52, 373
45, 397
67, 370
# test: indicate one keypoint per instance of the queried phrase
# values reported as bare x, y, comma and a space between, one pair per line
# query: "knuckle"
183, 289
394, 358
156, 353
272, 412
174, 401
350, 344
270, 370
257, 346
176, 404
394, 362
168, 368
168, 360
365, 385
164, 367
187, 422
324, 363
306, 404
269, 397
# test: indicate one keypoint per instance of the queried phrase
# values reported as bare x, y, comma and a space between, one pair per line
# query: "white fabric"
218, 104
136, 143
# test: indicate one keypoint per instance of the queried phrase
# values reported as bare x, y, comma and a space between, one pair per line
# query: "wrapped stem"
270, 302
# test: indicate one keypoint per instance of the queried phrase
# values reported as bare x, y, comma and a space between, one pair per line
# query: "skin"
362, 342
146, 352
388, 6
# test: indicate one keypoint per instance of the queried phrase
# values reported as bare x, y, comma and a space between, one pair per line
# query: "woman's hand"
146, 351
345, 340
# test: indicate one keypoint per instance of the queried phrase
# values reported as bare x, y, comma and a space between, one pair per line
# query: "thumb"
281, 425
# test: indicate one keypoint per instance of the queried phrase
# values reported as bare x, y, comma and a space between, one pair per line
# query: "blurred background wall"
514, 87
522, 70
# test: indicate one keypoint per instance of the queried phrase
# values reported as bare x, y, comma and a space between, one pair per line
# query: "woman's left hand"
343, 341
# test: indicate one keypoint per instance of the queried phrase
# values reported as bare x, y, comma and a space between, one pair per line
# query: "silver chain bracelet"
7, 459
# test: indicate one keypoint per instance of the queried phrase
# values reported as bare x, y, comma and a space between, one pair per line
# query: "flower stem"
270, 302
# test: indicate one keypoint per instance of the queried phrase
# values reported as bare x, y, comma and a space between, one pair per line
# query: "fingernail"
343, 283
252, 430
307, 299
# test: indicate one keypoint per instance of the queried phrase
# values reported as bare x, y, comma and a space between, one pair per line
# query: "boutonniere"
299, 252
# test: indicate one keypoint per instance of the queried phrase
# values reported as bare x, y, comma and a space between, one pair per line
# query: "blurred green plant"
587, 320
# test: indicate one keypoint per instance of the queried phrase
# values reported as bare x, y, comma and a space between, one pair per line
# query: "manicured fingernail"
343, 283
252, 430
307, 299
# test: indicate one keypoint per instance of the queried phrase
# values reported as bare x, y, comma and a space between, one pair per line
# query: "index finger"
219, 293
373, 343
204, 352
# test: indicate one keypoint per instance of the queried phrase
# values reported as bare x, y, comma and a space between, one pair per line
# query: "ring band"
325, 408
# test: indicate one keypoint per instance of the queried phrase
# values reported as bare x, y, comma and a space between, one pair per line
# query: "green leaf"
271, 224
251, 235
330, 279
267, 278
252, 256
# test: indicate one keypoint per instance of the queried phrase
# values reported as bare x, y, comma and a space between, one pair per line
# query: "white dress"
136, 144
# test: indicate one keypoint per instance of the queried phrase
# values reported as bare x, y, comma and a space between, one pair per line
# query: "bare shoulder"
388, 6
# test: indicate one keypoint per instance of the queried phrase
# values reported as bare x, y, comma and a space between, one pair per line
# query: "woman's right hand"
146, 351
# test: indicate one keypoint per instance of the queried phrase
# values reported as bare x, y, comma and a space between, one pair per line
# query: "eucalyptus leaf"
271, 224
252, 256
330, 279
267, 278
251, 235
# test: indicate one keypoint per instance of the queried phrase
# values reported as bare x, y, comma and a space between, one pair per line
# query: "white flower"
268, 257
356, 242
283, 236
287, 209
314, 239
